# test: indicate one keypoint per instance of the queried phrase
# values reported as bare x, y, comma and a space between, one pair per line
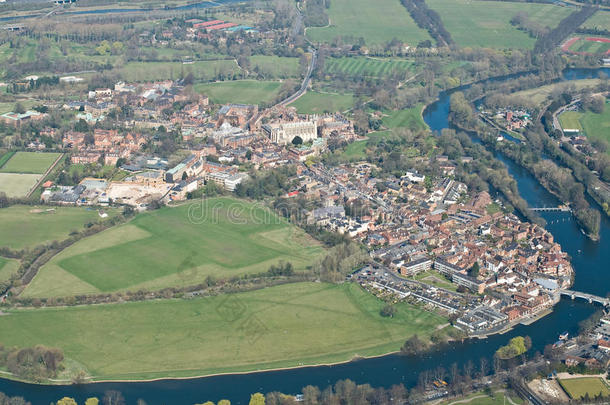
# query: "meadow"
487, 23
408, 118
275, 66
376, 21
599, 20
201, 70
541, 94
357, 150
176, 246
314, 102
28, 226
364, 66
7, 268
284, 326
29, 162
17, 184
240, 91
576, 388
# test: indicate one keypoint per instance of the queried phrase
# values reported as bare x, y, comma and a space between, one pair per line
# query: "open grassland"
275, 66
7, 268
240, 91
283, 326
176, 246
25, 226
408, 118
487, 23
376, 21
313, 102
599, 20
17, 184
29, 162
577, 388
364, 66
201, 70
541, 94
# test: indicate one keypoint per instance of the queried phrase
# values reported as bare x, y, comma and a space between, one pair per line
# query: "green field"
240, 91
408, 118
594, 126
436, 279
17, 184
291, 325
357, 150
365, 66
166, 248
600, 20
592, 47
202, 71
7, 268
576, 388
376, 21
270, 66
487, 23
27, 226
314, 102
541, 94
29, 162
481, 398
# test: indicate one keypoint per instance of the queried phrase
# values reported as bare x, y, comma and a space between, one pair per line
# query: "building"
416, 266
284, 133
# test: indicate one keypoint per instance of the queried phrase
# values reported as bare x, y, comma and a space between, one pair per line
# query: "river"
590, 260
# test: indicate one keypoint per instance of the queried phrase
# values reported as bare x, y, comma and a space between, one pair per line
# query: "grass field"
202, 71
290, 325
487, 23
29, 162
436, 279
408, 118
576, 388
363, 66
313, 102
167, 248
481, 398
240, 91
27, 226
376, 21
5, 156
594, 126
17, 184
540, 94
571, 120
275, 66
357, 150
600, 20
592, 47
7, 268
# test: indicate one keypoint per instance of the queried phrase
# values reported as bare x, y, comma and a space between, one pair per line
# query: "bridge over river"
588, 297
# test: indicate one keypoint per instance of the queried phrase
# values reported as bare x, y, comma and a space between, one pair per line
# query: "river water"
591, 261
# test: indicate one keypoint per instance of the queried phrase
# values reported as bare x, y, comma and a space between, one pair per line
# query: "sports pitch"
176, 246
284, 326
29, 226
17, 184
372, 67
29, 162
240, 91
576, 388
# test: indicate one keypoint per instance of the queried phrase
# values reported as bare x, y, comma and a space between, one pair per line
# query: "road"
306, 80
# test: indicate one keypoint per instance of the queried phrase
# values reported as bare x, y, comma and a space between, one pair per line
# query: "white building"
284, 132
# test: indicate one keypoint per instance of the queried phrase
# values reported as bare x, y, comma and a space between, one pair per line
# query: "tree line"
429, 20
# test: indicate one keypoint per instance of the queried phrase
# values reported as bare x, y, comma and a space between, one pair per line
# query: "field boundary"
44, 176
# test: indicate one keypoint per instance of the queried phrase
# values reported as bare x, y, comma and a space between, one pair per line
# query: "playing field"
313, 102
576, 388
408, 118
290, 325
487, 23
29, 162
17, 184
571, 120
364, 66
376, 21
240, 91
176, 246
594, 126
7, 268
588, 45
26, 226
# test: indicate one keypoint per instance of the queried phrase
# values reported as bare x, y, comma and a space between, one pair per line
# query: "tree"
297, 140
474, 270
185, 176
257, 399
19, 109
81, 126
66, 401
224, 402
113, 398
388, 311
92, 401
414, 345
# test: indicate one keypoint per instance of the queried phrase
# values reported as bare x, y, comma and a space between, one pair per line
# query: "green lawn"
600, 20
595, 126
291, 325
576, 388
314, 102
487, 23
168, 248
592, 47
409, 118
17, 184
29, 162
436, 279
357, 150
7, 268
202, 71
363, 66
571, 120
26, 226
5, 156
240, 91
271, 66
376, 21
481, 398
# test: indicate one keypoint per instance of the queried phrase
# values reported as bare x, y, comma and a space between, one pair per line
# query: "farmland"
240, 91
30, 225
488, 22
168, 248
283, 326
364, 66
577, 388
314, 102
29, 162
377, 22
